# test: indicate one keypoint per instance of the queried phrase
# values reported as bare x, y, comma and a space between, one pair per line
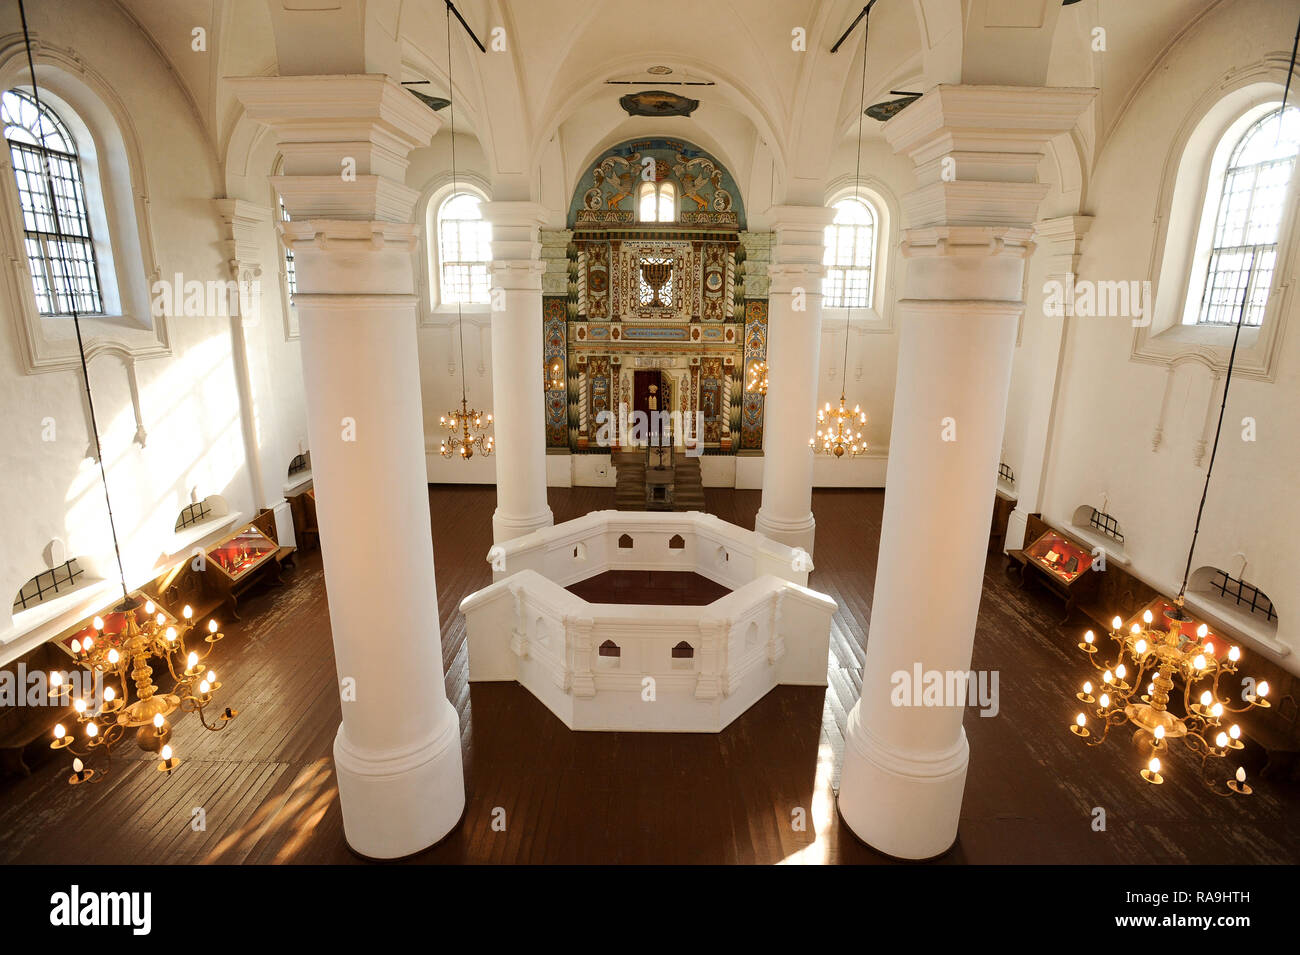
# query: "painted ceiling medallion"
660, 70
657, 103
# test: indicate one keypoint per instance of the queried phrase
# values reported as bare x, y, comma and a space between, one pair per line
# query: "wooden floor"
267, 792
663, 587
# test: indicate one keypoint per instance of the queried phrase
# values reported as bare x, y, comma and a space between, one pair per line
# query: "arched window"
1248, 210
290, 270
656, 202
464, 251
850, 254
59, 245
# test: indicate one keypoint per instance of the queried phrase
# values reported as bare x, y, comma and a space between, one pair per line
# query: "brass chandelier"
468, 431
109, 654
836, 435
1171, 663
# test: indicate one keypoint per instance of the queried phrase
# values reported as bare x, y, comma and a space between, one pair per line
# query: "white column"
968, 237
793, 351
518, 398
397, 753
1062, 240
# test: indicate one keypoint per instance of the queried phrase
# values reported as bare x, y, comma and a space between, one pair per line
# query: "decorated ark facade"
657, 283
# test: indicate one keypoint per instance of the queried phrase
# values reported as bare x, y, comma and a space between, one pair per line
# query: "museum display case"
248, 556
1063, 563
1062, 558
242, 553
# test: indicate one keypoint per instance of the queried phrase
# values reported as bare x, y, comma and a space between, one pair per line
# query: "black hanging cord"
1236, 335
857, 181
72, 300
451, 107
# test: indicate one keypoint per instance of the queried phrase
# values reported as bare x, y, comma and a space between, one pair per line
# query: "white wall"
189, 401
1110, 404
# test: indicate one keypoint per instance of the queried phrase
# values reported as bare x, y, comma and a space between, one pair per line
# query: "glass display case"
242, 553
1062, 558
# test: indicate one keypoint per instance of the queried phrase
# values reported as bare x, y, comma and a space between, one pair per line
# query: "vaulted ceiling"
543, 106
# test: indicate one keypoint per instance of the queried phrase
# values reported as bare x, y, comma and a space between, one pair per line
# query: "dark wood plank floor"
267, 790
666, 588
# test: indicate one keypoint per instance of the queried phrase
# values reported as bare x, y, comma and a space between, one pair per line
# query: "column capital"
309, 112
243, 221
799, 241
513, 213
1062, 240
994, 133
344, 139
516, 243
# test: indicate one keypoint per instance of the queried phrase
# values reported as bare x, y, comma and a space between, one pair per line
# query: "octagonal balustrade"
646, 667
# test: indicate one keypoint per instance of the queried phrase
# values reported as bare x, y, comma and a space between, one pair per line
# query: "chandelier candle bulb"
98, 624
1086, 696
80, 773
1238, 783
148, 606
1087, 645
1146, 617
1221, 741
1080, 726
1115, 624
1234, 654
167, 762
1152, 773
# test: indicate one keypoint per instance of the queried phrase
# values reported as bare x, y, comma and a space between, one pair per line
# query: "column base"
904, 806
796, 533
398, 803
509, 526
1017, 524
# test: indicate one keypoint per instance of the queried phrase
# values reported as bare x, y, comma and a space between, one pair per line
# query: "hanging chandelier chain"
52, 198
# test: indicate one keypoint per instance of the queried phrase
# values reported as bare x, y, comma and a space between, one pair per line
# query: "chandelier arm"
1250, 705
1112, 717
